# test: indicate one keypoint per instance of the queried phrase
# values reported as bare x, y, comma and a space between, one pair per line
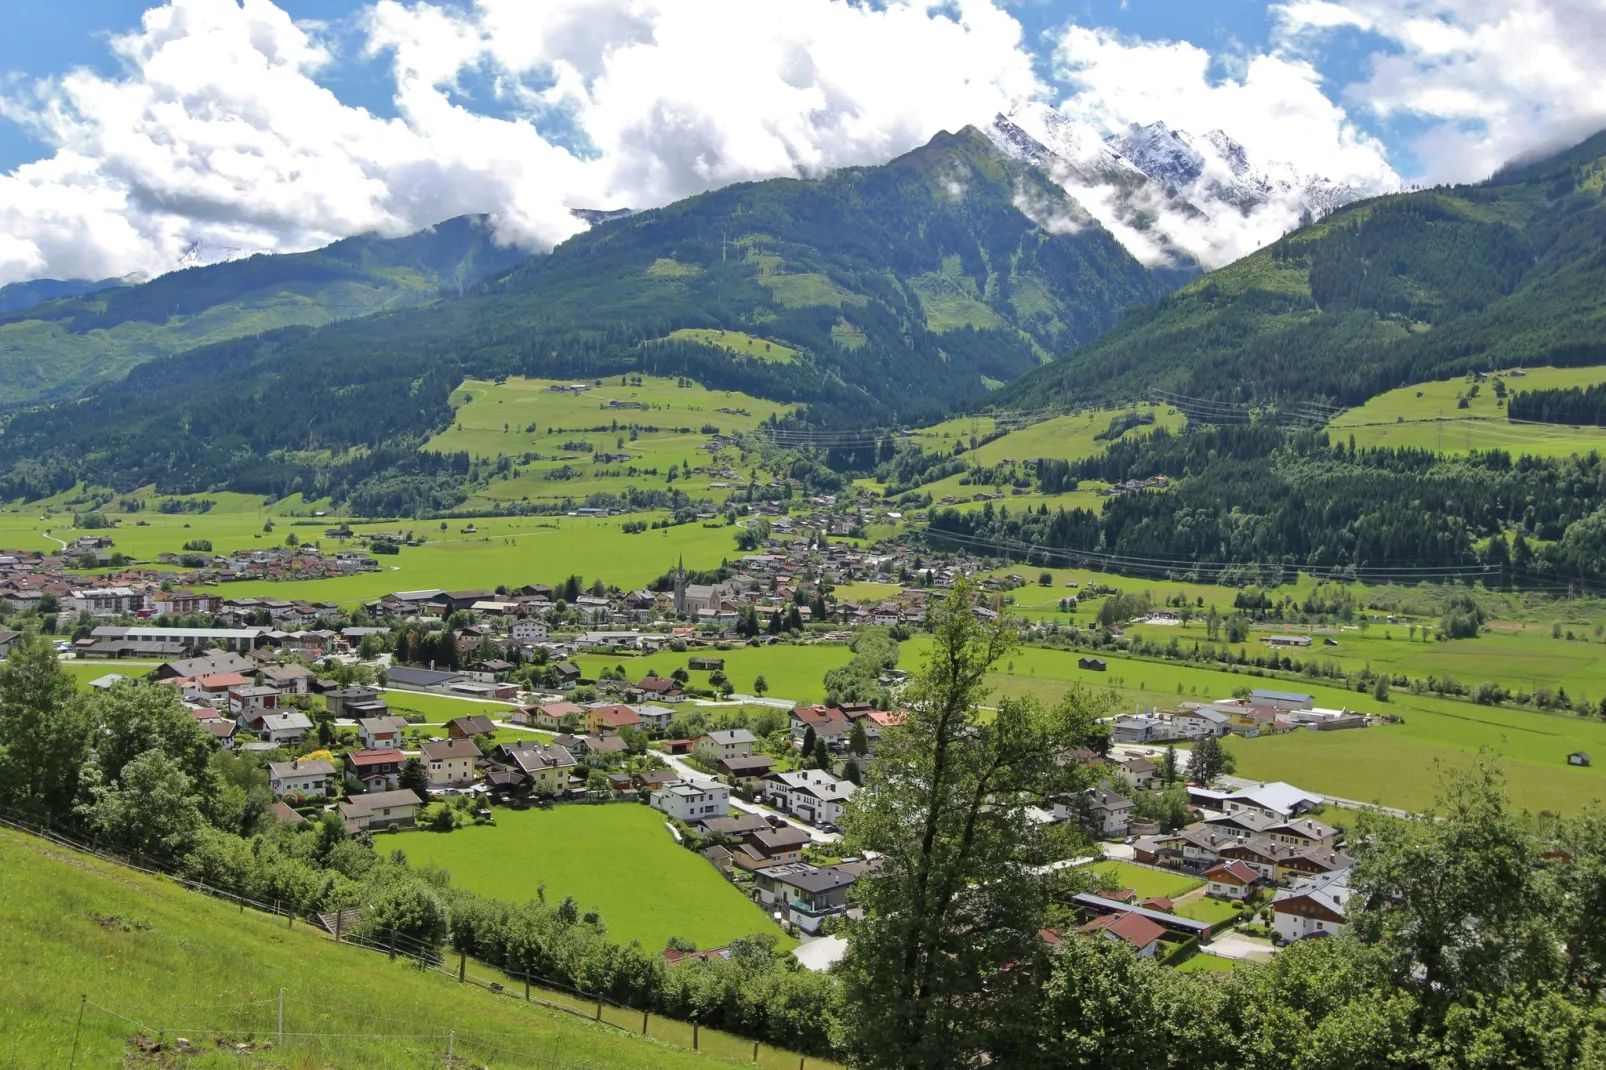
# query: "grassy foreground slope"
175, 963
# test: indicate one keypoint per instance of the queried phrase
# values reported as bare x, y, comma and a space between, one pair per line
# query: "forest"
1575, 405
1261, 494
852, 271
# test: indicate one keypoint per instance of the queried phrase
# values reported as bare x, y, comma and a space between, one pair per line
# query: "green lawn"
1147, 882
618, 858
743, 345
1395, 765
438, 709
1428, 416
792, 671
187, 965
1202, 963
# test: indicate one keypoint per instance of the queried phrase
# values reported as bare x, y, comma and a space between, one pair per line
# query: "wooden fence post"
599, 1010
695, 1030
755, 1051
462, 966
643, 1023
526, 988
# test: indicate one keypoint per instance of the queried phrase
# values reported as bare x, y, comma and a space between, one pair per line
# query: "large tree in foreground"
940, 971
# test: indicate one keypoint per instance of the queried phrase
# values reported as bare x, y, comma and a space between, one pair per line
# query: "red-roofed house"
1232, 880
610, 720
1139, 932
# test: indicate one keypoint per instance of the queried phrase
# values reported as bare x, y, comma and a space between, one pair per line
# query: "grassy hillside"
897, 290
1457, 416
77, 341
174, 964
1382, 293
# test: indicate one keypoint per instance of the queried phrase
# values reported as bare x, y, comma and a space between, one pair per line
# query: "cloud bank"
218, 134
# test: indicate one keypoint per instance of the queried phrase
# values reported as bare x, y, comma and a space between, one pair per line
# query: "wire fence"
243, 1023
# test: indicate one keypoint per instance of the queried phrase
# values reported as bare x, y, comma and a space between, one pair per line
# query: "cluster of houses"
1245, 843
1264, 712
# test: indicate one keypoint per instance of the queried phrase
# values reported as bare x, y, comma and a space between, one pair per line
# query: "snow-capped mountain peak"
1173, 198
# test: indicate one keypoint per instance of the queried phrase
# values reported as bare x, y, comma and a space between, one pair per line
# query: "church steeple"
680, 587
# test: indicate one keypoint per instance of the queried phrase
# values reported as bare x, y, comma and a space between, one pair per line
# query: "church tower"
680, 587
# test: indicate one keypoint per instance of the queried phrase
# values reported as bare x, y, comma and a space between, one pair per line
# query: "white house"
689, 802
1110, 813
380, 808
450, 763
1313, 907
108, 601
1143, 729
285, 727
810, 794
1200, 723
380, 732
297, 777
654, 718
528, 630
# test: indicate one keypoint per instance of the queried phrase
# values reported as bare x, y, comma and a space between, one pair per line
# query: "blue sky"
45, 40
231, 126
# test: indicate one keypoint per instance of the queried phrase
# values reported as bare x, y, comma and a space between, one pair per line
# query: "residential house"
829, 724
1303, 832
337, 700
450, 763
745, 771
528, 630
1138, 772
281, 728
248, 699
1108, 814
556, 716
297, 777
736, 826
1232, 879
654, 718
806, 895
1200, 723
375, 770
1276, 799
547, 765
767, 847
1316, 906
567, 675
1143, 729
687, 801
1138, 932
469, 727
380, 809
710, 747
289, 679
811, 795
611, 720
659, 689
215, 661
380, 732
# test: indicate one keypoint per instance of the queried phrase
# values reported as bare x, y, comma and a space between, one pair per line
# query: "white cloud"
1492, 79
219, 134
1271, 103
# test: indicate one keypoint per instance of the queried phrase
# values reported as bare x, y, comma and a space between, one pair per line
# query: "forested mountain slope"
1382, 293
874, 293
76, 336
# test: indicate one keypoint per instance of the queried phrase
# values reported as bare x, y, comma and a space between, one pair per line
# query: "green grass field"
1428, 416
1148, 883
495, 420
1063, 437
618, 858
1394, 765
743, 345
175, 963
794, 672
